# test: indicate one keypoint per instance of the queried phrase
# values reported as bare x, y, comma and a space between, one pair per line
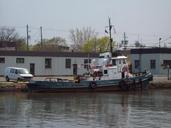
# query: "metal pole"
27, 37
110, 36
41, 36
168, 74
159, 42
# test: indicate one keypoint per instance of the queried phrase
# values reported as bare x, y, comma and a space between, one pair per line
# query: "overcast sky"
144, 20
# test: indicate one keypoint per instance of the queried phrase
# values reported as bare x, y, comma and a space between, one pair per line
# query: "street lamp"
168, 73
167, 66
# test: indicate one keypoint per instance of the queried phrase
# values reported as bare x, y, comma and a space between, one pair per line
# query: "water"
147, 109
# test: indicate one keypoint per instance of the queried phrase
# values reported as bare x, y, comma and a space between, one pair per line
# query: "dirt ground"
2, 79
156, 79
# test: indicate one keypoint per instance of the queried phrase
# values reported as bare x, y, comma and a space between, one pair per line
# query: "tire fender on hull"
93, 85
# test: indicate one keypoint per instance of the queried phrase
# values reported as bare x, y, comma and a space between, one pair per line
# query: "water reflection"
86, 110
99, 110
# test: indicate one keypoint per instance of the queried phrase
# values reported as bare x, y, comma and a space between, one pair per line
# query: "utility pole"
159, 42
41, 36
95, 43
27, 37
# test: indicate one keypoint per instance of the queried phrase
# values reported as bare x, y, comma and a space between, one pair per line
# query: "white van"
19, 74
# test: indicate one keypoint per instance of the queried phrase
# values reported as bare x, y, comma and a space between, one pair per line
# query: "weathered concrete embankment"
14, 86
157, 83
160, 83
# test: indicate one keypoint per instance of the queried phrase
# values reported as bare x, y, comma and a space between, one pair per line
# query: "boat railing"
140, 73
52, 79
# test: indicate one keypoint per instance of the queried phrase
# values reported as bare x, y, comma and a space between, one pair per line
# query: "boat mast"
110, 36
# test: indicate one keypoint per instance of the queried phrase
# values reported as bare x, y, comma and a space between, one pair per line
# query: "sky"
143, 20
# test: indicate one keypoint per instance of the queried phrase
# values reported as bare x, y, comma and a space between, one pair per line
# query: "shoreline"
157, 83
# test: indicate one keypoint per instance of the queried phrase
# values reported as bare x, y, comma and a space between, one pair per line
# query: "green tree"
96, 45
138, 44
80, 36
51, 45
21, 45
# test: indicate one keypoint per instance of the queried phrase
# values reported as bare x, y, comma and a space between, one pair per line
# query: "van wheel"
7, 79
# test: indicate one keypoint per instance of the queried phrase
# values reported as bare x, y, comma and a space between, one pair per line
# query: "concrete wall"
145, 62
164, 57
58, 65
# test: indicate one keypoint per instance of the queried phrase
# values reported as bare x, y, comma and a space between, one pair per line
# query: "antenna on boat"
110, 35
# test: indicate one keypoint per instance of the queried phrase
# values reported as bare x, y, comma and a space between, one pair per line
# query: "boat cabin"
108, 67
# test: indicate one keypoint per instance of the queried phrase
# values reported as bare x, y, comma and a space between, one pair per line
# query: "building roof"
151, 51
48, 54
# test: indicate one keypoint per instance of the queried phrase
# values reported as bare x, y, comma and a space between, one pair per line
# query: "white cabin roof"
119, 57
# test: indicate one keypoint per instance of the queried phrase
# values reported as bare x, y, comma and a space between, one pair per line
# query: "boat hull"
139, 82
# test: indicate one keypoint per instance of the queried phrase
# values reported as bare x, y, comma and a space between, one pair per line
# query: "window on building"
137, 64
48, 63
167, 63
2, 60
19, 60
86, 63
68, 63
152, 64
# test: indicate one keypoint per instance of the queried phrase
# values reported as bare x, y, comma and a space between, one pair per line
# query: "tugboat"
106, 73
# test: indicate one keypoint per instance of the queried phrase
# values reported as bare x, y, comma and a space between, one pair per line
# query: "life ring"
92, 85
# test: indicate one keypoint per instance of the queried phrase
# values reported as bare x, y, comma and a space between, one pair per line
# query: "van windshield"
22, 71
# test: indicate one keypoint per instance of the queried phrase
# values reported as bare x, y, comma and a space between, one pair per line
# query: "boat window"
113, 62
124, 61
101, 56
119, 61
105, 71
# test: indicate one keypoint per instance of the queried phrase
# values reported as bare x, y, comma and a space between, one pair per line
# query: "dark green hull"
91, 86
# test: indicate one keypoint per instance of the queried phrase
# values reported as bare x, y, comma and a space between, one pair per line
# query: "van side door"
11, 74
15, 76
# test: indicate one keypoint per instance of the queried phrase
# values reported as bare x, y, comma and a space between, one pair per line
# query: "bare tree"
81, 36
8, 34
